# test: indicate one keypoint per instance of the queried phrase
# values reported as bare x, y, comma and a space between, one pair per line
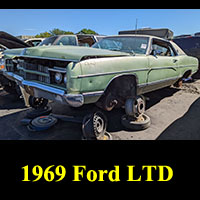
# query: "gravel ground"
174, 114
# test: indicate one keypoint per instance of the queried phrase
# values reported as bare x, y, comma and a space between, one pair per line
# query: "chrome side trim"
133, 70
142, 85
183, 66
110, 73
167, 67
96, 93
163, 80
158, 82
172, 67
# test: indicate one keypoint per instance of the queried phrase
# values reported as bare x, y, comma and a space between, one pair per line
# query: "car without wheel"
115, 72
8, 41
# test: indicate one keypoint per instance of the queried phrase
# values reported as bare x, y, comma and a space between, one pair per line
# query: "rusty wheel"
37, 103
135, 106
94, 126
179, 83
109, 102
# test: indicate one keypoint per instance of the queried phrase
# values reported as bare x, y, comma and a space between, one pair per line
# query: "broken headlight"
58, 77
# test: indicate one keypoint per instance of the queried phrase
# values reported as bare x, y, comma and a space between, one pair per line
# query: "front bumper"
48, 92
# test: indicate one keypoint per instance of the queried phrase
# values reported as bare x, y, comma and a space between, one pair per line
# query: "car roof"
137, 35
177, 48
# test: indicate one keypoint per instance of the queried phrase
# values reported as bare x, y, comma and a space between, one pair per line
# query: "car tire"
42, 123
131, 123
38, 112
94, 126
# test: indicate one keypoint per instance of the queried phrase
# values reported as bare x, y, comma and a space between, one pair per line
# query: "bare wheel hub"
139, 106
135, 107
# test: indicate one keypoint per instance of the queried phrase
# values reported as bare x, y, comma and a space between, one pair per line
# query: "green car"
114, 72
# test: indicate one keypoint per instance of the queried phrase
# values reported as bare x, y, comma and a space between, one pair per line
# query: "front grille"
34, 67
28, 71
35, 72
9, 65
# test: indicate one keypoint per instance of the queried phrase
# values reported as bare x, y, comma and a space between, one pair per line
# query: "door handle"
175, 60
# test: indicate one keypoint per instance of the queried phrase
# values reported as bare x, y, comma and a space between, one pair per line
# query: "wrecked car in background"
191, 46
33, 41
164, 33
115, 72
8, 41
75, 40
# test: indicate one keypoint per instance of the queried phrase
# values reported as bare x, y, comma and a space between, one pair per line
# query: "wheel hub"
135, 107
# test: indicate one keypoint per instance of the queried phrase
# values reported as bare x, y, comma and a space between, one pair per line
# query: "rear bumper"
48, 92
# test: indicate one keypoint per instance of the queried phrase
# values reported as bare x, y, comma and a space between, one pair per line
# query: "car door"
163, 64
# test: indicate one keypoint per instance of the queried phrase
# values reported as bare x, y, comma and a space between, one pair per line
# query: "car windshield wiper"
114, 49
132, 53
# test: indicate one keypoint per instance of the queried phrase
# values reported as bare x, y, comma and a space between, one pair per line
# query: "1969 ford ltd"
114, 72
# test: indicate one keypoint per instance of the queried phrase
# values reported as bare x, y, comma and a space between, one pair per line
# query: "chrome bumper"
48, 92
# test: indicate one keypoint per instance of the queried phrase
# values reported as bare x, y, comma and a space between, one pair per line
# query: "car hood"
11, 42
67, 52
10, 53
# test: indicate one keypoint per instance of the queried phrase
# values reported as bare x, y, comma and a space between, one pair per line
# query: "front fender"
98, 73
73, 82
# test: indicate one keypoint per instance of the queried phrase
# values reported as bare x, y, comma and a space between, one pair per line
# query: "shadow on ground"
153, 98
185, 128
10, 101
13, 129
156, 96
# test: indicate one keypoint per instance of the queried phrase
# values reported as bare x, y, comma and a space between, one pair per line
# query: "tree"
57, 31
87, 31
43, 35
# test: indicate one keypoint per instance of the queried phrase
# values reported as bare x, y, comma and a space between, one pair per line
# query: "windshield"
64, 40
128, 44
48, 41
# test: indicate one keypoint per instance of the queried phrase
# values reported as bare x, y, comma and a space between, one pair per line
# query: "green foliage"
87, 31
43, 35
57, 31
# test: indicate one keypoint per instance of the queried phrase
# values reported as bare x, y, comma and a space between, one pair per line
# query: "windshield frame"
58, 38
54, 38
127, 36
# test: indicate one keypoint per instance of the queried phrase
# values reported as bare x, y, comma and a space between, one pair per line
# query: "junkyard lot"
174, 114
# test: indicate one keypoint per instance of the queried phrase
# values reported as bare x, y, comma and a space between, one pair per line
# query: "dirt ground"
174, 113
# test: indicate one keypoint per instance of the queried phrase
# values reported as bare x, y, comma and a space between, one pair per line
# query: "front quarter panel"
73, 82
97, 73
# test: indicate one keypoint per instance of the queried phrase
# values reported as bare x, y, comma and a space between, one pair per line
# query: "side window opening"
163, 48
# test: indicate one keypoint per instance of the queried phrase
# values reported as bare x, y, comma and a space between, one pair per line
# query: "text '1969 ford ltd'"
115, 72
